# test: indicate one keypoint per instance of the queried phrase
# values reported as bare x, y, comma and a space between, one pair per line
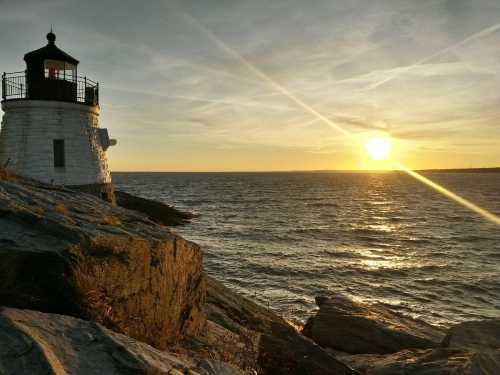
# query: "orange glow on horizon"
379, 148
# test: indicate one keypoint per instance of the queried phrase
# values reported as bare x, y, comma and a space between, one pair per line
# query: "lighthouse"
50, 128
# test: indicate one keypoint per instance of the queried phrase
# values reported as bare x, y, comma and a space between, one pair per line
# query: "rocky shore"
374, 340
91, 288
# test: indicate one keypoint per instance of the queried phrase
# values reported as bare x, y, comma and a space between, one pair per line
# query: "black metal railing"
14, 85
87, 91
77, 89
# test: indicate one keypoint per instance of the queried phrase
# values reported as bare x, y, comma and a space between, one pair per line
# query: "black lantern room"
51, 74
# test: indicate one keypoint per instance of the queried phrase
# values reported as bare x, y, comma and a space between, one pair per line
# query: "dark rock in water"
347, 326
282, 351
35, 343
481, 335
440, 361
251, 337
156, 211
74, 254
396, 345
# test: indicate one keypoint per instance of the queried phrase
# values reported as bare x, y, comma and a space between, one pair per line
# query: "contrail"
406, 69
219, 72
264, 76
201, 100
283, 90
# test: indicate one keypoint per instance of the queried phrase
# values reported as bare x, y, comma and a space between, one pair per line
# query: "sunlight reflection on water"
286, 237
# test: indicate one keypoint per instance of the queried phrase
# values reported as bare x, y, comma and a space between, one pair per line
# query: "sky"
199, 85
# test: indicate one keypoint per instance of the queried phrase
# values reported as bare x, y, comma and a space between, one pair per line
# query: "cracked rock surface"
347, 326
71, 253
37, 343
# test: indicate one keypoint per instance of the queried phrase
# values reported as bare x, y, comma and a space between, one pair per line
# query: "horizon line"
469, 169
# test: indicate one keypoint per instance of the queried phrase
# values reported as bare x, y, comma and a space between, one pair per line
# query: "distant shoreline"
450, 170
463, 170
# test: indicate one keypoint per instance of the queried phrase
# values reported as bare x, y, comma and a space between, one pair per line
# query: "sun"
379, 148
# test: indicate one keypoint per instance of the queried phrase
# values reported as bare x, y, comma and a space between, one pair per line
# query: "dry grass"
111, 220
87, 280
6, 174
62, 209
40, 211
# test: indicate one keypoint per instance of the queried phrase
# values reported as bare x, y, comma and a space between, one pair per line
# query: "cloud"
361, 123
419, 70
425, 134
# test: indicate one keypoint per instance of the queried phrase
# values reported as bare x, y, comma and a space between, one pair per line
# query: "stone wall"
26, 142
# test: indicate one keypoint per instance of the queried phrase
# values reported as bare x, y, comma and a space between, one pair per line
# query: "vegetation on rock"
71, 253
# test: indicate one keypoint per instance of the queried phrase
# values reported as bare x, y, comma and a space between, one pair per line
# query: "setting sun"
379, 148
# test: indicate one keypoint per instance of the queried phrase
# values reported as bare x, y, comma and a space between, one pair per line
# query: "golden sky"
423, 72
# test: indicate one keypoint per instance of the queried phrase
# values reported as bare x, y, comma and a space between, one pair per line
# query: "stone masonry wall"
26, 142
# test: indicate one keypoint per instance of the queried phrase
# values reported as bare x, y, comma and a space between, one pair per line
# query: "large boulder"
70, 253
481, 335
344, 325
156, 211
38, 344
252, 337
440, 361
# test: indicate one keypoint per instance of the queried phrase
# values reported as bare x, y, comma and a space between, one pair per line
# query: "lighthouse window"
59, 160
60, 70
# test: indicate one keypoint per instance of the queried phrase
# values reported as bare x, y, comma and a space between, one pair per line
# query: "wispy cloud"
422, 71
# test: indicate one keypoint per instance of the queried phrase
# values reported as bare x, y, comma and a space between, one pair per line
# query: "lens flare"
441, 189
309, 109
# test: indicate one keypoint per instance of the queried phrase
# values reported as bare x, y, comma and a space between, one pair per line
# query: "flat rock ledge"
155, 211
344, 325
377, 341
71, 253
37, 343
483, 334
440, 361
257, 340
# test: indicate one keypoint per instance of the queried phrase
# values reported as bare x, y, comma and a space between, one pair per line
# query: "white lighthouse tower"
50, 130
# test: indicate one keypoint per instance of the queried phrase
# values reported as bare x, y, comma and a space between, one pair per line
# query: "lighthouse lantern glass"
55, 69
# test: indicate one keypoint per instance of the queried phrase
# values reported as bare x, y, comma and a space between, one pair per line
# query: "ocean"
284, 238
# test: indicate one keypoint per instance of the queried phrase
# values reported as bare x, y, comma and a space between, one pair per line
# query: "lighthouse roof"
50, 52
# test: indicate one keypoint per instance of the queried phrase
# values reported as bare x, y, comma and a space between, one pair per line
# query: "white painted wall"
26, 138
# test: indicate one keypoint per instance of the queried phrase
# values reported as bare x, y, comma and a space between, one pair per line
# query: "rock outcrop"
482, 335
156, 211
36, 343
70, 253
440, 361
376, 341
344, 325
252, 337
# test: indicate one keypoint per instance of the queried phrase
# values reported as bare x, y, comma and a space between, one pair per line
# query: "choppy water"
286, 237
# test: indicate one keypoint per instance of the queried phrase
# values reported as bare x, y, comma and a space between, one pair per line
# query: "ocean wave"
392, 271
469, 238
323, 204
292, 235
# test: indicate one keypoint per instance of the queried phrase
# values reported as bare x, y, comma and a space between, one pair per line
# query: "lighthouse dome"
49, 52
51, 37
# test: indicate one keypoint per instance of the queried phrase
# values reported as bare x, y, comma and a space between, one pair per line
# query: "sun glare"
379, 148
